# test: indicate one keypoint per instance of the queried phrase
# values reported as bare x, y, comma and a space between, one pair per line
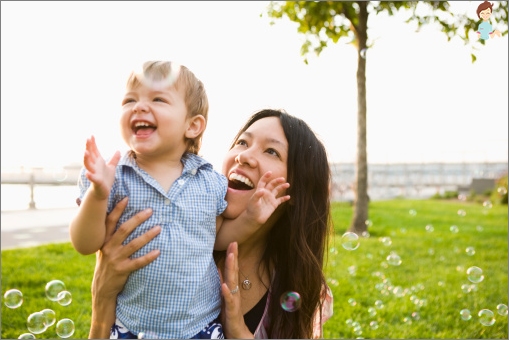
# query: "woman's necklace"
246, 284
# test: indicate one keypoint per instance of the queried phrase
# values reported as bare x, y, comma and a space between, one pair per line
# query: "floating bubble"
486, 317
352, 270
13, 298
36, 323
412, 212
26, 336
371, 311
362, 53
479, 228
369, 223
373, 325
487, 204
379, 304
349, 322
466, 288
462, 213
416, 316
365, 234
470, 251
53, 288
454, 229
431, 251
158, 82
475, 274
65, 328
465, 315
398, 291
462, 197
49, 317
350, 241
290, 301
502, 190
429, 228
402, 230
393, 259
352, 302
64, 298
502, 309
386, 241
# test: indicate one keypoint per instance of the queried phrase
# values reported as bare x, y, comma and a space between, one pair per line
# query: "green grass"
430, 276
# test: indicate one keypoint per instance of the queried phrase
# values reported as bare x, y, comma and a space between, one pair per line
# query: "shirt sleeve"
326, 313
222, 186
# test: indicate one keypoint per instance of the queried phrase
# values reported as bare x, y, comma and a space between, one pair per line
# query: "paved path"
28, 228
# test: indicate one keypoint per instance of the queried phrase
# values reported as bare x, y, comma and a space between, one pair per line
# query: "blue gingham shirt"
179, 293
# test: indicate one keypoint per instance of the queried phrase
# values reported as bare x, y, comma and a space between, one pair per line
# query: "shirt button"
167, 201
193, 172
181, 182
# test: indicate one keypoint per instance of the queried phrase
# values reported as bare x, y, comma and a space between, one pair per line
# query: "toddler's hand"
100, 173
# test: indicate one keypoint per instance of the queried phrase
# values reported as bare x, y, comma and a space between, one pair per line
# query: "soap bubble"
393, 259
362, 53
49, 317
462, 213
64, 298
454, 229
470, 251
13, 298
373, 325
350, 241
26, 336
36, 323
65, 328
352, 302
429, 228
379, 304
290, 301
412, 212
502, 309
475, 274
158, 82
386, 241
53, 288
465, 315
486, 317
487, 204
502, 191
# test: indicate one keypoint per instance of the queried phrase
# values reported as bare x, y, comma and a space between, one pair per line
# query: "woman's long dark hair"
296, 244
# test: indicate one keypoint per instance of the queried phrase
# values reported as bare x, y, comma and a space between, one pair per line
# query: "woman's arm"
113, 266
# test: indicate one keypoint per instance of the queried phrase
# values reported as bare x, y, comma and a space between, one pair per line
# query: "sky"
64, 66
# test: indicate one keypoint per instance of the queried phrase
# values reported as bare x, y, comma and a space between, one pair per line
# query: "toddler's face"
154, 120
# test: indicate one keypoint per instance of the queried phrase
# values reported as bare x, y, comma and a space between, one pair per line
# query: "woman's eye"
241, 142
273, 152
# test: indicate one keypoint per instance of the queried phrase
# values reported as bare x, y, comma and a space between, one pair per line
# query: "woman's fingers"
128, 226
113, 217
141, 241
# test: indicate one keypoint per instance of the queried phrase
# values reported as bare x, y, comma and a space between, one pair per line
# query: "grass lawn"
374, 296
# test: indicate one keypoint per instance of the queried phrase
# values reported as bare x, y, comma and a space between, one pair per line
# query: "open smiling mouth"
239, 182
142, 128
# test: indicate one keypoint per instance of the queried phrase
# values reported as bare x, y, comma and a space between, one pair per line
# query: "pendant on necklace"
246, 284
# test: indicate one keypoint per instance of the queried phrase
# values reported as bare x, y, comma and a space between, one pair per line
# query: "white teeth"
242, 179
138, 124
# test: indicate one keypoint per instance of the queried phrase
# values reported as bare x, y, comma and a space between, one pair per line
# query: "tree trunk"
360, 214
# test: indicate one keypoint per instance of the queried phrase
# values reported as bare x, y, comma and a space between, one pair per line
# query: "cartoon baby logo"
485, 30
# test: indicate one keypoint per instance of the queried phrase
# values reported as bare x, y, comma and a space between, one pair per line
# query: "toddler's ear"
196, 126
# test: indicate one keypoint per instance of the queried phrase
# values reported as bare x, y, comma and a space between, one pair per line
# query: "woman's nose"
246, 158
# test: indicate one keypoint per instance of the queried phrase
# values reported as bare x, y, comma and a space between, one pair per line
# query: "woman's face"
262, 147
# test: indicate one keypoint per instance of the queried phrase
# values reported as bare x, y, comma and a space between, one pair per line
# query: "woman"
285, 254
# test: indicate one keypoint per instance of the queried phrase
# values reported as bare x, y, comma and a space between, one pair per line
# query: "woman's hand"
232, 319
113, 266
